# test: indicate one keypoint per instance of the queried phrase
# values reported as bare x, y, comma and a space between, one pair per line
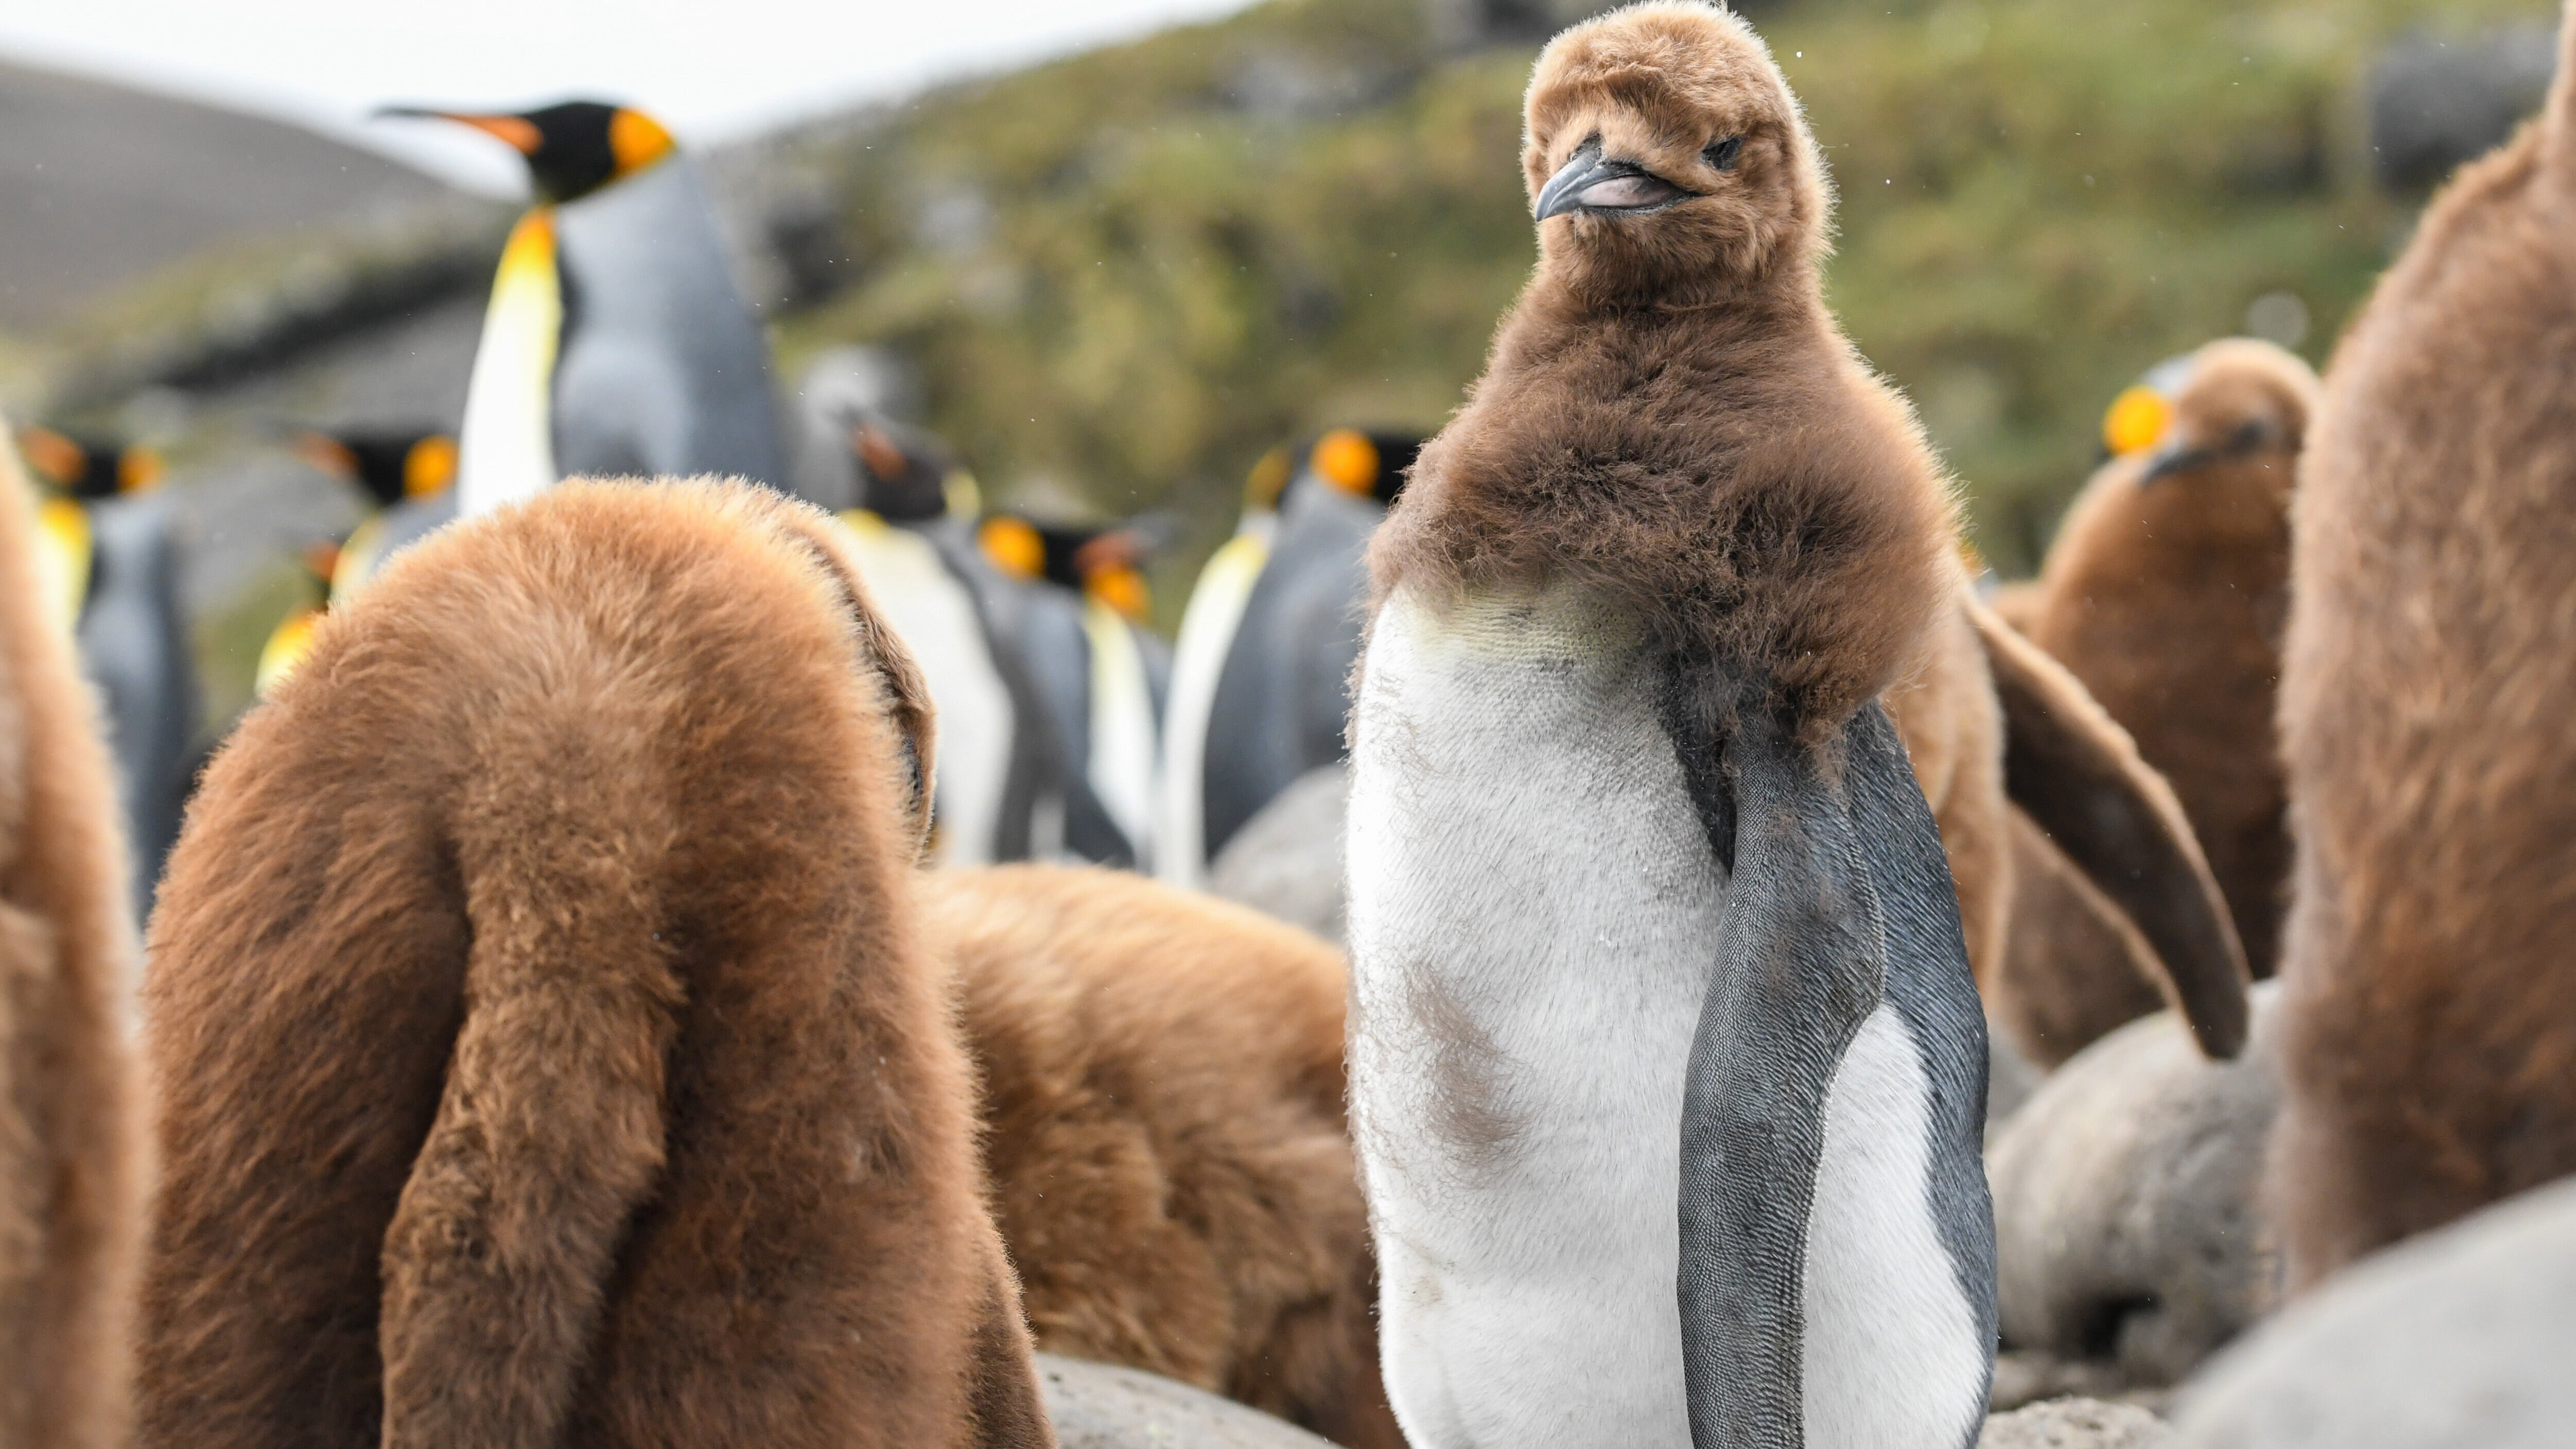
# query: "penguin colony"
604, 1070
2430, 1012
72, 1159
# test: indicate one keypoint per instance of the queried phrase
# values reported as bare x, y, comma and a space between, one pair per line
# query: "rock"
2076, 1424
2126, 1233
2437, 101
1286, 861
2466, 1336
1096, 1406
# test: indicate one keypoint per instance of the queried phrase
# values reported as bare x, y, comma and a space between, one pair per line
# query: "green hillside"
1130, 272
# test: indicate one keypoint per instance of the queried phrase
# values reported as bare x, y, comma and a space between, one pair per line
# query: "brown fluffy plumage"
2166, 595
572, 1072
1671, 417
1163, 1090
71, 1139
2428, 714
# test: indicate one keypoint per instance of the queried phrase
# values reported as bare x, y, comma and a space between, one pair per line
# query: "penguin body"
1667, 1065
119, 569
2428, 1003
616, 343
1261, 678
72, 1158
595, 1084
1101, 677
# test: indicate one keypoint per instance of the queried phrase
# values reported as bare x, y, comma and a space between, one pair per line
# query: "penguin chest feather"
1533, 906
1537, 916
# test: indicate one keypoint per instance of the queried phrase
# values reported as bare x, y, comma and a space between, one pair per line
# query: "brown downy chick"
2165, 593
72, 1161
2427, 690
576, 1074
1162, 1079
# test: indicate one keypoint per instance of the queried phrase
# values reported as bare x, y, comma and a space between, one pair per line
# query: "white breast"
930, 609
1533, 914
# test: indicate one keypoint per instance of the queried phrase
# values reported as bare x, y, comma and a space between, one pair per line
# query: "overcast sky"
711, 69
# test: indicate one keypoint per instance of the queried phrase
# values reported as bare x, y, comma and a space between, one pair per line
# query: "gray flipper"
1841, 902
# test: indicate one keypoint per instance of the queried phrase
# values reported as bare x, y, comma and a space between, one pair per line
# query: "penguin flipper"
1837, 1241
2078, 775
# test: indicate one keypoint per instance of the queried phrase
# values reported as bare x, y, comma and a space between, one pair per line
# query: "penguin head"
2230, 417
1371, 464
573, 148
88, 468
391, 467
1665, 157
1103, 563
905, 475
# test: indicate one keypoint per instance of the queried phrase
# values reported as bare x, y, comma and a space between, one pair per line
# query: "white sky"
710, 69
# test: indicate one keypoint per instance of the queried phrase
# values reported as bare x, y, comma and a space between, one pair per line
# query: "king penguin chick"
617, 343
1261, 676
1101, 676
114, 569
2166, 590
71, 1130
578, 1073
1650, 920
2428, 993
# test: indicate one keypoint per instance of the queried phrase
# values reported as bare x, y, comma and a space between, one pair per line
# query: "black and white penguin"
1260, 677
617, 343
405, 476
1001, 788
1101, 675
114, 576
1667, 1066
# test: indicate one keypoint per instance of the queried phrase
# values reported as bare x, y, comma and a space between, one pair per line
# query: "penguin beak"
518, 133
2181, 455
1590, 181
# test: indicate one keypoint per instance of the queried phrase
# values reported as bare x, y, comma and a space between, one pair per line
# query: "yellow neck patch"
63, 560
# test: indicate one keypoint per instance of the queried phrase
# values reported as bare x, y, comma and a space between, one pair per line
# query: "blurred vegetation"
1129, 273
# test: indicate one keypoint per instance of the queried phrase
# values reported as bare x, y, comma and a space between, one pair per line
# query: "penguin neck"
1710, 318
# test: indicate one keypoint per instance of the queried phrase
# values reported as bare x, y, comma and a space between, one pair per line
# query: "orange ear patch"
429, 467
2136, 420
1346, 459
1013, 546
636, 140
59, 459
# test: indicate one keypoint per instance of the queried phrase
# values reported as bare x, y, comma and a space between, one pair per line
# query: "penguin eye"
1722, 154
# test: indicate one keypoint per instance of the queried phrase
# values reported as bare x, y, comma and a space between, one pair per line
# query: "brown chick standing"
2427, 693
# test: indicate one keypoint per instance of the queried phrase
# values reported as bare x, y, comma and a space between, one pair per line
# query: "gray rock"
2465, 1337
1096, 1406
2076, 1424
1286, 861
2125, 1227
2439, 100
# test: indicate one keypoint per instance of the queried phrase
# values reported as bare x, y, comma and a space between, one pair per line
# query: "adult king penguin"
404, 476
616, 343
113, 571
1260, 680
1100, 675
1667, 1066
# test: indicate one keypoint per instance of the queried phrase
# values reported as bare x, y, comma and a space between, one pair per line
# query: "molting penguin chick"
576, 1073
2429, 1000
1644, 894
71, 1130
2166, 591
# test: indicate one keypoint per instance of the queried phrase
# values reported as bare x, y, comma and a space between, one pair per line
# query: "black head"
1367, 463
88, 468
903, 472
573, 148
389, 466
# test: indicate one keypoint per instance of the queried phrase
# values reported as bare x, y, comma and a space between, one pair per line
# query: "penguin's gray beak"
2182, 455
1590, 181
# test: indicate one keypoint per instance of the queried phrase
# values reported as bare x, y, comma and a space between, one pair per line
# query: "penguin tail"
2076, 773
